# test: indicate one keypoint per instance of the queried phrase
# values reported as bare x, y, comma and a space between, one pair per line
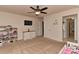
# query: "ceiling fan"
37, 10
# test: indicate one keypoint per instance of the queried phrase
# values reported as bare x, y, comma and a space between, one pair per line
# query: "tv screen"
27, 22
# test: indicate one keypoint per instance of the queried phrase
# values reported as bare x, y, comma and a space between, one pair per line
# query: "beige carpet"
37, 45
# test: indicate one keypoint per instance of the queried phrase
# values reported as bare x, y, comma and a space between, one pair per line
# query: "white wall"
54, 31
18, 21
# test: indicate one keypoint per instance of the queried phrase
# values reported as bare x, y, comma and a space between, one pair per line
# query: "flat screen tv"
27, 22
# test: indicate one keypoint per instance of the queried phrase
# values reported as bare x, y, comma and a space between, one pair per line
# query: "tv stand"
28, 35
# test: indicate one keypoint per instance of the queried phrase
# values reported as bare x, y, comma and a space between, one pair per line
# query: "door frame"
42, 28
75, 26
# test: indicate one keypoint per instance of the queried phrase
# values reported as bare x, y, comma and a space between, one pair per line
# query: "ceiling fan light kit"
38, 11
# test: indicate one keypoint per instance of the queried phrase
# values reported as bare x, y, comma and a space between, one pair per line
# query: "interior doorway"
42, 28
69, 28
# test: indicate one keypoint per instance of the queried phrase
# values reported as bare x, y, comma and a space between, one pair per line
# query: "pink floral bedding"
70, 48
70, 51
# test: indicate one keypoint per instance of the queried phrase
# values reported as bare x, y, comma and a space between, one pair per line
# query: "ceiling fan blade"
44, 12
37, 7
33, 8
44, 8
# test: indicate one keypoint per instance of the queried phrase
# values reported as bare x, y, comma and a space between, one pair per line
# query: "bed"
70, 48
